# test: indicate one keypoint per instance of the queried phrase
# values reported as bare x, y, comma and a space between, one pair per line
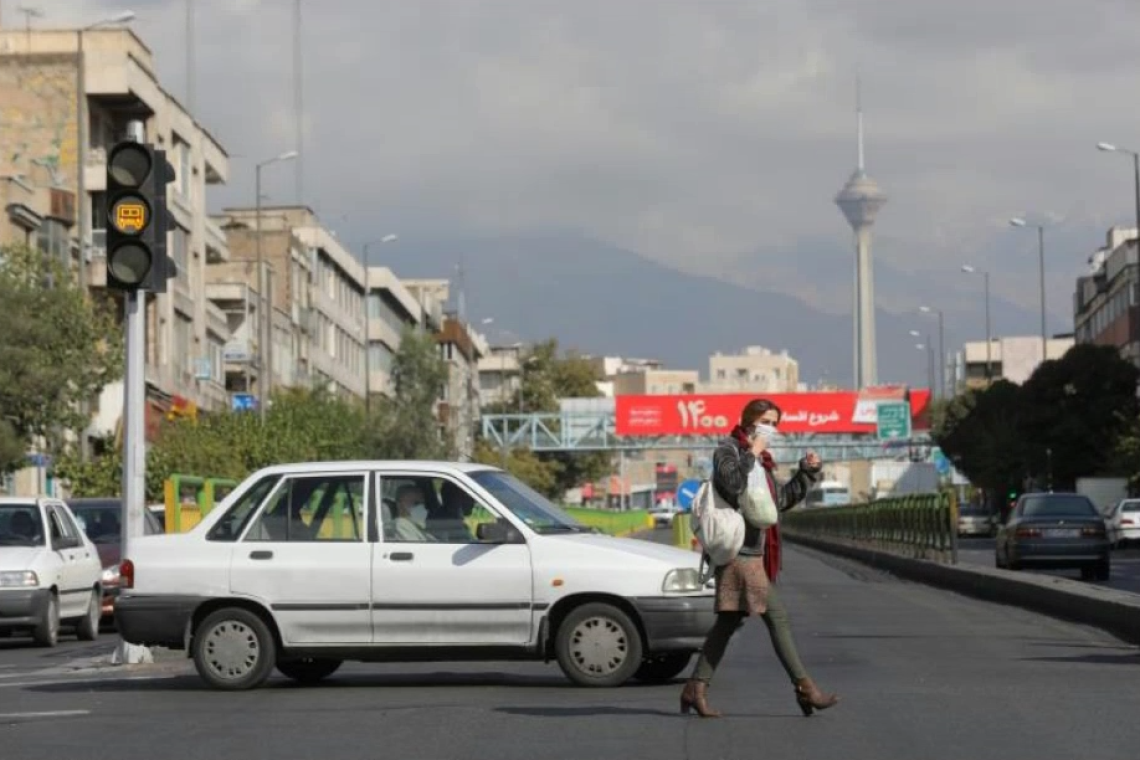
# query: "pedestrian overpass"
585, 431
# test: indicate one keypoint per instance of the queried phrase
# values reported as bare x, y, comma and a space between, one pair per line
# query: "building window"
380, 357
181, 256
54, 240
184, 169
183, 347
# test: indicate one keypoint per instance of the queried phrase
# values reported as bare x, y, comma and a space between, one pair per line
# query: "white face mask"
418, 514
766, 431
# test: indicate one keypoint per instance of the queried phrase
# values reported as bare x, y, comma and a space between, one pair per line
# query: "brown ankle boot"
695, 697
809, 697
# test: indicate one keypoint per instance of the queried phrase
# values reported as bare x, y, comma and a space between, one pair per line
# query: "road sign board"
686, 492
244, 402
893, 420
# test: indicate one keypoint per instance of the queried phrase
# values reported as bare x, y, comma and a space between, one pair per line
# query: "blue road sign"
244, 402
686, 492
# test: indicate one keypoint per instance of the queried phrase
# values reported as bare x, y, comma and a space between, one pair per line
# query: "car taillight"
126, 574
1028, 533
1093, 530
1126, 521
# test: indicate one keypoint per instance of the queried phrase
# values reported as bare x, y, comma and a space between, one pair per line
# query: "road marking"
51, 714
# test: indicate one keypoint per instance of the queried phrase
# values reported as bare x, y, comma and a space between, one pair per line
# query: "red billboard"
836, 413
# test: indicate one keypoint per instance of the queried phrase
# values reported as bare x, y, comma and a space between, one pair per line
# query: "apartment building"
501, 373
1013, 358
458, 410
316, 286
655, 382
1106, 304
40, 80
392, 308
754, 370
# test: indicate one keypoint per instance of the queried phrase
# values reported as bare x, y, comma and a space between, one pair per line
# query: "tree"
59, 348
1075, 411
980, 433
524, 464
405, 426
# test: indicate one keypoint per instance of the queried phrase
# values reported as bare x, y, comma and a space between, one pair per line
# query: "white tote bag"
757, 502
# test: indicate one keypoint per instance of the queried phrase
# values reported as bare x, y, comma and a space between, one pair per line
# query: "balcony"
241, 353
95, 170
217, 245
97, 260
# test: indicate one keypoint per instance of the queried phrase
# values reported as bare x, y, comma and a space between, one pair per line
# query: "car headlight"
681, 580
111, 576
19, 579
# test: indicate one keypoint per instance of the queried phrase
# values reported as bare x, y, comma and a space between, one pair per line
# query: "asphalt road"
1125, 564
922, 673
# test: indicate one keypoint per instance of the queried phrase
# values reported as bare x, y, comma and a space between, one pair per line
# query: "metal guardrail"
922, 526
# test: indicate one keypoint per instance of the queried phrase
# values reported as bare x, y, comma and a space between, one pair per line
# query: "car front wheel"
308, 669
87, 629
46, 632
234, 650
598, 645
663, 667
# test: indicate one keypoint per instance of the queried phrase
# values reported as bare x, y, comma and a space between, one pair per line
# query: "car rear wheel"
234, 650
598, 645
46, 632
1102, 571
87, 628
663, 667
308, 669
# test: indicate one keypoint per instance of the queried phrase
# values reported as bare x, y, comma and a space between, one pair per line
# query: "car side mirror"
497, 532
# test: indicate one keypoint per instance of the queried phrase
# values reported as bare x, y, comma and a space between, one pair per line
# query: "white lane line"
51, 714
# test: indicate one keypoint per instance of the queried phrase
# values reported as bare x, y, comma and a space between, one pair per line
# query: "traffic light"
137, 218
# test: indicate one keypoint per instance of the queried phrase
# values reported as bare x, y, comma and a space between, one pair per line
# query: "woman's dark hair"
755, 409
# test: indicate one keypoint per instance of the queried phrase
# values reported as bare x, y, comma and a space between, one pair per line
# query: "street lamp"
1110, 148
1019, 222
264, 321
989, 358
390, 238
941, 347
81, 206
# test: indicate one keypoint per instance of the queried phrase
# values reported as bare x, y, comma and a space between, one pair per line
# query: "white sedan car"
49, 571
1124, 523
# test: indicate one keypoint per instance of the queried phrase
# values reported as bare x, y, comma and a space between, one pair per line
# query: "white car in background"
1124, 522
49, 571
305, 566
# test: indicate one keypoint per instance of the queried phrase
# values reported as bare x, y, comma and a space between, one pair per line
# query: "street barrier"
189, 498
919, 526
613, 523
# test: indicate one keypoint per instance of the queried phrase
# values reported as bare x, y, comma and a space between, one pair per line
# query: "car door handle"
261, 555
402, 556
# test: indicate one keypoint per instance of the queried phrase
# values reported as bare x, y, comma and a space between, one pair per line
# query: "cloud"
696, 133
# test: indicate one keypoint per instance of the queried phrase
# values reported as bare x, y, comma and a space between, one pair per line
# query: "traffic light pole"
134, 432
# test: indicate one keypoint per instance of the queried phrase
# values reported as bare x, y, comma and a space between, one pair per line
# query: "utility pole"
134, 430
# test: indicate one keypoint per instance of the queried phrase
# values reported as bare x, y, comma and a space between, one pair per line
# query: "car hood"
19, 557
631, 547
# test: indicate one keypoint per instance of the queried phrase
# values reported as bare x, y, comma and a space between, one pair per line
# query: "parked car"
663, 515
101, 519
1124, 523
304, 566
49, 571
1055, 531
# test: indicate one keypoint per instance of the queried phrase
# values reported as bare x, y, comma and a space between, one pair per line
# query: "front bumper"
21, 608
159, 620
675, 623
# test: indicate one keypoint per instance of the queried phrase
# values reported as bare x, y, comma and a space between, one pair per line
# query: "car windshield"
21, 525
527, 504
1130, 506
1058, 506
101, 519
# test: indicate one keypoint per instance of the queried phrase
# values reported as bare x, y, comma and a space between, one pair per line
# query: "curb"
1117, 612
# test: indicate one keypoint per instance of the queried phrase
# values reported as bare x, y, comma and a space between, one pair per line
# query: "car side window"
70, 529
324, 508
235, 519
418, 509
57, 528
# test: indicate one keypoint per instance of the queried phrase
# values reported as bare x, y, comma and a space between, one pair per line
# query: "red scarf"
772, 540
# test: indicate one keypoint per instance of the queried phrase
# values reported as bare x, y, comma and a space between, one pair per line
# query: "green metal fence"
921, 525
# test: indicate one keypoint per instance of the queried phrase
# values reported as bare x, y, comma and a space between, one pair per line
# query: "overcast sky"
702, 134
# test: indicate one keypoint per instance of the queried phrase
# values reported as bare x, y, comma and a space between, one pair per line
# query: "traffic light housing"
137, 218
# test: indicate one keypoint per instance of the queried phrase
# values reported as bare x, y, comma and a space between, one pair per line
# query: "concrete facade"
1106, 304
1013, 359
754, 370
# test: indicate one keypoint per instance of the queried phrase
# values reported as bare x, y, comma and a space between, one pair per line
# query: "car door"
74, 557
433, 581
306, 555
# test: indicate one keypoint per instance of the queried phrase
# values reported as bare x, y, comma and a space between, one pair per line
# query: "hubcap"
232, 650
598, 646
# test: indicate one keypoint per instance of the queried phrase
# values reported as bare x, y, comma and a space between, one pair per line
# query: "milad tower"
860, 201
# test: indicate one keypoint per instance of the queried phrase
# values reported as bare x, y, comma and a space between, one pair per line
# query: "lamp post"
1019, 222
989, 340
1110, 148
368, 318
82, 209
264, 321
941, 347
